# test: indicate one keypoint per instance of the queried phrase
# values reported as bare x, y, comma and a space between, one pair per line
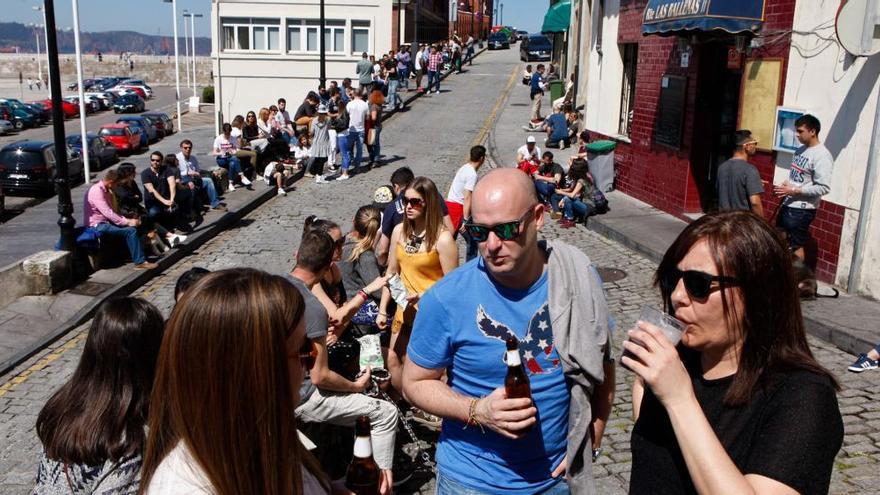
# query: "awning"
669, 17
557, 18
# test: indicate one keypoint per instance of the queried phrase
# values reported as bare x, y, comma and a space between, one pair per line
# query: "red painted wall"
664, 177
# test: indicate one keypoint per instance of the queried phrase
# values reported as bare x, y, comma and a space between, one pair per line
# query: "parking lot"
163, 100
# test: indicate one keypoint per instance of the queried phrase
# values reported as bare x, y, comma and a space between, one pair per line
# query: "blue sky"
145, 16
153, 16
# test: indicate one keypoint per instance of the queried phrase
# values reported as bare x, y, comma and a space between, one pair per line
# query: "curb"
139, 278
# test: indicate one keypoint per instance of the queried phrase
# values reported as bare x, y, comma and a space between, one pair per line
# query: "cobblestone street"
432, 138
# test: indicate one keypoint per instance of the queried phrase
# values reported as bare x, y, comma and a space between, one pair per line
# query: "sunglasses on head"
506, 231
414, 202
697, 284
307, 354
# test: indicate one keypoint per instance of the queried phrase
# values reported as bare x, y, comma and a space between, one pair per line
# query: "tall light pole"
39, 60
500, 14
46, 34
192, 32
323, 61
79, 86
185, 46
176, 63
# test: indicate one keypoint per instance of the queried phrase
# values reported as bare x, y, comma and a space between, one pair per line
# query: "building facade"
671, 81
267, 49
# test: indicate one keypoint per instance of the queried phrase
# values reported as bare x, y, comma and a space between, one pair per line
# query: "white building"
268, 49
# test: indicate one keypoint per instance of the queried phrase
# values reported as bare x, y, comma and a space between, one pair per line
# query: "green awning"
558, 18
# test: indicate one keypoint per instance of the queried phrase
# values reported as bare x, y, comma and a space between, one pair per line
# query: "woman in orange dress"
423, 251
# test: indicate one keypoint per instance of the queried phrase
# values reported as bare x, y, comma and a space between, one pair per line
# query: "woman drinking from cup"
741, 406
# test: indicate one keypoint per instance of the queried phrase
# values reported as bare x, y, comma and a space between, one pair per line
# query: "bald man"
547, 297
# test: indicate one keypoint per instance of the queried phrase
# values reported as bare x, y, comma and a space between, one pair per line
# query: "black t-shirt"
305, 110
790, 431
160, 184
551, 170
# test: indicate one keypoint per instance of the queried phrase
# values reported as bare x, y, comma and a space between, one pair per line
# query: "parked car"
138, 128
92, 104
70, 110
19, 118
44, 114
521, 35
498, 40
157, 124
137, 83
126, 138
167, 122
535, 47
87, 84
137, 89
102, 153
6, 127
511, 33
104, 101
129, 103
149, 128
28, 167
18, 106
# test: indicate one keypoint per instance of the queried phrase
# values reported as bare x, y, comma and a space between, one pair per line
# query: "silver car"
5, 127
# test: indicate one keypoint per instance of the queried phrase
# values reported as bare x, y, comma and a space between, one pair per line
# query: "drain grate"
90, 288
609, 274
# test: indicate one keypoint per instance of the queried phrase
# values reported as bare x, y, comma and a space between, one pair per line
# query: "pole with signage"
66, 223
79, 84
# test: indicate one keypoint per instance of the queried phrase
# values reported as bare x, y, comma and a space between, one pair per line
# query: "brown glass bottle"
362, 477
516, 383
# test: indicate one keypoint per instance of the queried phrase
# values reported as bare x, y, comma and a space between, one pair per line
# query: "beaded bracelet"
472, 415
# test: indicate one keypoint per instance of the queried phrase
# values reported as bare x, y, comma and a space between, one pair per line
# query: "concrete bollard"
48, 272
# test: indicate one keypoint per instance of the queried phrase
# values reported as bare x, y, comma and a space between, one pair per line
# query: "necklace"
414, 243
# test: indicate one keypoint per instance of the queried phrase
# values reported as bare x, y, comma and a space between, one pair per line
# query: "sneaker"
231, 187
266, 180
146, 265
427, 420
219, 207
321, 180
245, 181
281, 192
566, 223
180, 238
343, 177
556, 215
863, 363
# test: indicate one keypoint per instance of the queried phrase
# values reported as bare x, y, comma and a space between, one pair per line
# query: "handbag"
371, 137
343, 357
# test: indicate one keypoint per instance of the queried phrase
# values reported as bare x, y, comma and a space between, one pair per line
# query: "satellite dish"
856, 27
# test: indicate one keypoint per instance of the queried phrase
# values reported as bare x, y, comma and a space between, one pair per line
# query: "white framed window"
302, 36
630, 53
360, 37
251, 34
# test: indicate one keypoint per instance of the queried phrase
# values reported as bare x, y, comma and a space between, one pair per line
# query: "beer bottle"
362, 477
516, 383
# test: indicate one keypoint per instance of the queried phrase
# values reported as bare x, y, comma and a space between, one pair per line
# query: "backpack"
600, 202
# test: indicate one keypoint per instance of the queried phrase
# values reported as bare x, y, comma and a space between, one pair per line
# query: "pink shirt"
97, 209
434, 61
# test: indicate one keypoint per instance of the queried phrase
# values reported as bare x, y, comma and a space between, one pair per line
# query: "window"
630, 52
302, 35
360, 37
244, 33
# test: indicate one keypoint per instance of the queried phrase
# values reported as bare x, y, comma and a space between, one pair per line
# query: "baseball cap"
530, 139
322, 108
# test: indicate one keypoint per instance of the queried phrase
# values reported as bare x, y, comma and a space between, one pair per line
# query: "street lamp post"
500, 14
185, 47
399, 15
66, 223
323, 61
46, 34
192, 32
81, 90
176, 63
39, 60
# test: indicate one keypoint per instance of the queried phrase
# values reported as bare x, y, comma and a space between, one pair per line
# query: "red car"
139, 91
120, 135
70, 109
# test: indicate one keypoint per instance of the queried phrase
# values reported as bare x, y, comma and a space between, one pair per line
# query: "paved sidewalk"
852, 323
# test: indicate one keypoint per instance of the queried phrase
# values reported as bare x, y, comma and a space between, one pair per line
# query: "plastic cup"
671, 327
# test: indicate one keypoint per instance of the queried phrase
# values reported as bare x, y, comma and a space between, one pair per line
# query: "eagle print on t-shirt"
536, 348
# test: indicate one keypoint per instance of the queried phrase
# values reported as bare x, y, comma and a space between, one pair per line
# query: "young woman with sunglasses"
227, 383
422, 252
741, 406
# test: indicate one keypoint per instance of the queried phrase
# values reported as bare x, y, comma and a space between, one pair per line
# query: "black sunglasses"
506, 231
697, 284
414, 202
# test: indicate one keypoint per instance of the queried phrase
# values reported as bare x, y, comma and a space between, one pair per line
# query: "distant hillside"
14, 34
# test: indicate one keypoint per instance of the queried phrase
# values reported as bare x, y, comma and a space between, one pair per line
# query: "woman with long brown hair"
93, 428
227, 383
741, 405
422, 251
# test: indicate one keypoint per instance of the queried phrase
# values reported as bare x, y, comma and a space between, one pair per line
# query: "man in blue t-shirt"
557, 131
490, 443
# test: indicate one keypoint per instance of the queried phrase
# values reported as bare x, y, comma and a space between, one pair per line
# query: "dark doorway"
717, 107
